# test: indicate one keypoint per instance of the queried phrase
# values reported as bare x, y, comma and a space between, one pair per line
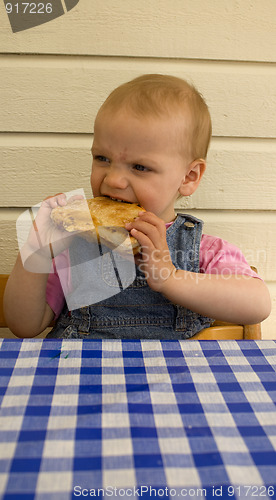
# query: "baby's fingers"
75, 197
59, 200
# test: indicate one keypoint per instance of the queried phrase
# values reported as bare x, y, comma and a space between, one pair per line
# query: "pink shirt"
216, 256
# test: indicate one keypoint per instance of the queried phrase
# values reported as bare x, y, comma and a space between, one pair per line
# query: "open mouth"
117, 199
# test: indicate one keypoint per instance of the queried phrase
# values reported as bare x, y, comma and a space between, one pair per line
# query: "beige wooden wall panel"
218, 29
34, 166
8, 239
57, 94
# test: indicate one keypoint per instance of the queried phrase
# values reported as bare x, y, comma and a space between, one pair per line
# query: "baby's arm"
236, 298
26, 310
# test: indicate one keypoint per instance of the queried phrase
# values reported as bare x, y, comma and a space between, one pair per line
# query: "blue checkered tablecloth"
137, 419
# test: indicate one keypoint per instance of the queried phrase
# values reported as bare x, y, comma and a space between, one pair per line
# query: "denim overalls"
138, 312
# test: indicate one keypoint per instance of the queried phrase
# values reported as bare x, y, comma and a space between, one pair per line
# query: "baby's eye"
140, 168
101, 158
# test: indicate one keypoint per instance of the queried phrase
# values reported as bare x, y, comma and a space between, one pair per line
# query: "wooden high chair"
228, 331
218, 330
3, 281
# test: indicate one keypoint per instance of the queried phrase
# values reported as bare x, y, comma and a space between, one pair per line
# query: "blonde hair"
159, 95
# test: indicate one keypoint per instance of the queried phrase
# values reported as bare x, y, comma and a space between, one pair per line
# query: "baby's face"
138, 160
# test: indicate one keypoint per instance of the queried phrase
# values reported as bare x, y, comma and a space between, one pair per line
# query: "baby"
151, 138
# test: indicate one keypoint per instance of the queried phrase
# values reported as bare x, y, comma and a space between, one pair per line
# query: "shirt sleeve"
55, 290
219, 257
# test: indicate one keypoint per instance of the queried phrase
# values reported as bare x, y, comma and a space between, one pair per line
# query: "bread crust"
100, 218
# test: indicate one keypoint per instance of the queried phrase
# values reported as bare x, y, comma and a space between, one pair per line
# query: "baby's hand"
45, 240
156, 261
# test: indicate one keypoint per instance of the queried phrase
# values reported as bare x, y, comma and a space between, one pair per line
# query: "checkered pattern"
134, 417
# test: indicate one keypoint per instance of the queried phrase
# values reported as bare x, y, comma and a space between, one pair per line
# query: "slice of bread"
100, 218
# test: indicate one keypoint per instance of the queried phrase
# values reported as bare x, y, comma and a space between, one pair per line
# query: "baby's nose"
116, 178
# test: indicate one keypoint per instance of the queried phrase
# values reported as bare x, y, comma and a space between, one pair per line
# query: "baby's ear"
193, 177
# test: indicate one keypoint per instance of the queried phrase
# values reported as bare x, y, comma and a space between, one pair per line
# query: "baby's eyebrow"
95, 149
